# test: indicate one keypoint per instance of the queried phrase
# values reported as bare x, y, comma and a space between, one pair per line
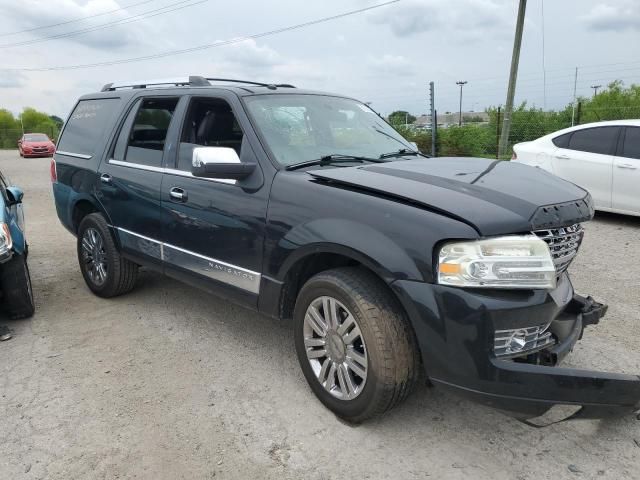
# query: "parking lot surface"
168, 383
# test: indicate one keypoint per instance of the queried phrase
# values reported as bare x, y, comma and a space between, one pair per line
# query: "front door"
214, 229
626, 173
130, 178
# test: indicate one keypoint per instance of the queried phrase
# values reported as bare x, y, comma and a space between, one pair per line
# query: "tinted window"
145, 138
210, 122
631, 147
86, 126
562, 141
594, 140
36, 137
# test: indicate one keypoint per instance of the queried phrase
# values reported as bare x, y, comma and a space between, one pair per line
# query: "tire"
110, 274
385, 342
16, 288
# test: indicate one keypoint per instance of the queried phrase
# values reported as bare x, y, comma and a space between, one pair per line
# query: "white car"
603, 158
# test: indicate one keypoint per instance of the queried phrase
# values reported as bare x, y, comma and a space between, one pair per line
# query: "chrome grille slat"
564, 243
535, 339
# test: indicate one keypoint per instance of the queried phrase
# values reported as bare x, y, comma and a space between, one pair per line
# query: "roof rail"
271, 86
191, 81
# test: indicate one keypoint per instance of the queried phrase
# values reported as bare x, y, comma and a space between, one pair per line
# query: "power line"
75, 19
133, 18
201, 47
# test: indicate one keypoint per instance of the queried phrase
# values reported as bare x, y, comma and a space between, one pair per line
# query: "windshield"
36, 137
301, 127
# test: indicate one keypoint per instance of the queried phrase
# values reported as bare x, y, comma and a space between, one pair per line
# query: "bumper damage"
455, 330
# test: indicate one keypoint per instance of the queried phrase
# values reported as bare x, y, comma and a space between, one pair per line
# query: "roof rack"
191, 81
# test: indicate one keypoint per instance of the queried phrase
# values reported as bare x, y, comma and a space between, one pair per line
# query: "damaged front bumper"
457, 330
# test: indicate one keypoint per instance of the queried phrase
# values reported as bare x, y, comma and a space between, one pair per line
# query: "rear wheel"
16, 288
105, 271
354, 344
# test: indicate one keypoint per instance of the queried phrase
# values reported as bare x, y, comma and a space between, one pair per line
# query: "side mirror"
15, 195
219, 162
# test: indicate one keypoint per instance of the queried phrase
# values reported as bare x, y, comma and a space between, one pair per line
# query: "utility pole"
573, 109
434, 123
595, 89
513, 75
462, 83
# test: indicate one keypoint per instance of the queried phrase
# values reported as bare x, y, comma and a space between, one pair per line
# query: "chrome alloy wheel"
94, 256
335, 348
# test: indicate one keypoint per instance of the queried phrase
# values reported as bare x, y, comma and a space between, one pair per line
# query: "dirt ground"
171, 383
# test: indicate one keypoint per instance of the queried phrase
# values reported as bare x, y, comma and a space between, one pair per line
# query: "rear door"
129, 183
626, 172
587, 161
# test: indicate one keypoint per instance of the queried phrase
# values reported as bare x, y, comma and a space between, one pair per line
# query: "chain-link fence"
481, 139
9, 136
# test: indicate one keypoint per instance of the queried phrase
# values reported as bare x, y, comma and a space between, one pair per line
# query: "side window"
144, 132
631, 147
210, 122
562, 141
86, 125
594, 140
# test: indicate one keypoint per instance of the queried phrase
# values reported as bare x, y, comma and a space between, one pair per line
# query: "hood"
494, 197
38, 144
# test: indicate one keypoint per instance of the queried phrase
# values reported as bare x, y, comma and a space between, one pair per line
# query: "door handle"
628, 166
178, 194
563, 157
105, 178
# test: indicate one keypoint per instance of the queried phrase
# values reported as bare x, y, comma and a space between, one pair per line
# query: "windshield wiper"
333, 158
400, 153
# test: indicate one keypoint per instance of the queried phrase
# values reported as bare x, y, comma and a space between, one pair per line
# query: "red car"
36, 145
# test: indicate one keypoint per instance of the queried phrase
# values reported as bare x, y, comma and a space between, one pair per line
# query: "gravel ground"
168, 383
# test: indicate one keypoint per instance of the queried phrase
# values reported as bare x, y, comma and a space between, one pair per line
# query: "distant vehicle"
36, 145
394, 267
15, 283
603, 158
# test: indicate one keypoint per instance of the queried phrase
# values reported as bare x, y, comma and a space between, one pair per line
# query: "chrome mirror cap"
210, 155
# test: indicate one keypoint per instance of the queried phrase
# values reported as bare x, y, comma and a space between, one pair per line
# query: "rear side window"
562, 141
86, 126
144, 133
594, 140
631, 147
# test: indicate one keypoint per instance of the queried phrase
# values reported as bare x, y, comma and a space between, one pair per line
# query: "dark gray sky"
386, 56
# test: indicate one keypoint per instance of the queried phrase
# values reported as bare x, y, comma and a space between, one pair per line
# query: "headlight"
6, 243
518, 261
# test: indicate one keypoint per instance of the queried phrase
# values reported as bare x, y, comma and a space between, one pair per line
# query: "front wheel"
16, 288
105, 271
354, 344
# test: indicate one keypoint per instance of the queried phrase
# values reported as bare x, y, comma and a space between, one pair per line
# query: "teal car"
15, 283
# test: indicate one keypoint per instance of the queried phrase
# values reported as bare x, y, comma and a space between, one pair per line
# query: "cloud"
387, 63
607, 17
251, 55
10, 79
41, 13
413, 17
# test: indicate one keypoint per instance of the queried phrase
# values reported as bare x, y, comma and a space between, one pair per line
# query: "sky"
386, 56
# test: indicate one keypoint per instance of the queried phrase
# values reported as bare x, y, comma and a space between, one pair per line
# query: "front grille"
563, 243
521, 341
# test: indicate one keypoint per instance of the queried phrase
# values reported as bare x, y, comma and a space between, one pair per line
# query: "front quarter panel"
392, 238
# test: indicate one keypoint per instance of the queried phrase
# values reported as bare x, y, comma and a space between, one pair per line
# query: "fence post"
498, 136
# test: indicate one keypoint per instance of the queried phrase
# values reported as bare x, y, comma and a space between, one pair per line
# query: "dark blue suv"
309, 206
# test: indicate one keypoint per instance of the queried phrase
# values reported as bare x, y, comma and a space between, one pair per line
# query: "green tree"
401, 117
10, 130
38, 122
